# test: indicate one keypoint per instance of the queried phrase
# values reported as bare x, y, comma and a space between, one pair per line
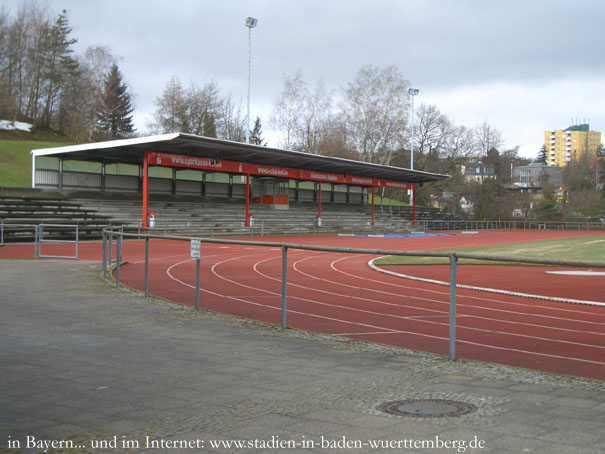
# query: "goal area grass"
580, 248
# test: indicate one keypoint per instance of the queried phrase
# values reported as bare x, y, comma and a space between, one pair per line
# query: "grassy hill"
15, 160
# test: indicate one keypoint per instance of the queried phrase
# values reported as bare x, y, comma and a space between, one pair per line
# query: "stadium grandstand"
210, 186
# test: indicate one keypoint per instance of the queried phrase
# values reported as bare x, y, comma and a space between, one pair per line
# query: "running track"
339, 294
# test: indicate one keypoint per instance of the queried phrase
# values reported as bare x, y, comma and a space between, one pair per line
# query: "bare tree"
203, 109
375, 107
487, 137
28, 38
171, 107
315, 117
287, 108
192, 111
82, 100
334, 140
432, 132
232, 123
460, 145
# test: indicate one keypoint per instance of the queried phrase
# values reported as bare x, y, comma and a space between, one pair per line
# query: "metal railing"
452, 256
40, 234
437, 224
265, 227
5, 228
40, 231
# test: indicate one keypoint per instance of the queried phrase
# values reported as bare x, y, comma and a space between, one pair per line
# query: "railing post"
77, 239
110, 247
37, 234
104, 236
284, 283
197, 284
452, 349
118, 258
146, 267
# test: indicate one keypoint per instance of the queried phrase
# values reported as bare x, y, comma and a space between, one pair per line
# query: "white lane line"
382, 329
506, 303
446, 303
425, 318
485, 289
242, 300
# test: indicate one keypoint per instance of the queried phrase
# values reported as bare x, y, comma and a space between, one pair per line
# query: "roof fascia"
104, 145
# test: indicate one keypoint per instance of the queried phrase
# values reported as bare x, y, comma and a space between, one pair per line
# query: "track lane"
340, 295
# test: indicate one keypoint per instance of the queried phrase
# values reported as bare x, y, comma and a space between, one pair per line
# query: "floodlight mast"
250, 23
412, 193
412, 92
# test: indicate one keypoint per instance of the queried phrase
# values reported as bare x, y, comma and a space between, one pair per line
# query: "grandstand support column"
103, 177
33, 171
319, 200
60, 174
372, 206
247, 200
145, 189
414, 206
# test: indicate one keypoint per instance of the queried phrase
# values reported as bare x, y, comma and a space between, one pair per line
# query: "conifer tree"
256, 134
542, 155
114, 119
59, 64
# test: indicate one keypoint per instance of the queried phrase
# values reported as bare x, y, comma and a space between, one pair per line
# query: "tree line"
43, 82
84, 97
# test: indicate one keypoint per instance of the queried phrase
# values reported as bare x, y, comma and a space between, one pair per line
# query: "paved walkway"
86, 367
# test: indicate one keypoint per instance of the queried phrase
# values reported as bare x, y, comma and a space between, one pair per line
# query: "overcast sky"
524, 66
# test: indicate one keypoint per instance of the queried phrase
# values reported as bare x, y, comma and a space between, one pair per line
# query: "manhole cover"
427, 408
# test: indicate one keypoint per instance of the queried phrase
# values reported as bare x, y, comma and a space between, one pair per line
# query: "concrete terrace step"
209, 215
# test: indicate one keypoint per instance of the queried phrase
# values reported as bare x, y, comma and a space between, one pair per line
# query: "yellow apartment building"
563, 146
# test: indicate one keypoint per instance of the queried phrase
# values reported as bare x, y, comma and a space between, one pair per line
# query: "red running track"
339, 294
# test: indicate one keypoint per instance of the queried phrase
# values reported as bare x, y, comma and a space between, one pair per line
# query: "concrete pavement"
86, 367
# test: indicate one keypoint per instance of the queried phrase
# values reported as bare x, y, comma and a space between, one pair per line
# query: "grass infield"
582, 248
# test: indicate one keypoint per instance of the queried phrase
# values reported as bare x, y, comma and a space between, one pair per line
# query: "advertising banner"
191, 162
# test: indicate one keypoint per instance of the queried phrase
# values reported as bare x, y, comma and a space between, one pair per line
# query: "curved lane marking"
383, 330
485, 289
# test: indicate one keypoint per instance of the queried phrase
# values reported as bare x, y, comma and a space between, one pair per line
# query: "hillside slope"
15, 160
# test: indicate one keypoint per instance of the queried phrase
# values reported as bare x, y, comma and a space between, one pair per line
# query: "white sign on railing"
195, 248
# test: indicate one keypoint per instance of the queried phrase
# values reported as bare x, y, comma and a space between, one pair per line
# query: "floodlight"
250, 23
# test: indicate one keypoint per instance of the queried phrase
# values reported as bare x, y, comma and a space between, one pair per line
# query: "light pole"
412, 92
250, 23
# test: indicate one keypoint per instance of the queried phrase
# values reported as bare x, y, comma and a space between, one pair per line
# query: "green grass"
581, 248
386, 202
16, 162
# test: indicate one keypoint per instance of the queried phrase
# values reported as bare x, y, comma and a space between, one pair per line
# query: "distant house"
478, 171
531, 178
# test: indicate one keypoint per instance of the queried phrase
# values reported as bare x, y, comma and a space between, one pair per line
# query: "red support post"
414, 205
372, 206
319, 200
145, 190
247, 200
